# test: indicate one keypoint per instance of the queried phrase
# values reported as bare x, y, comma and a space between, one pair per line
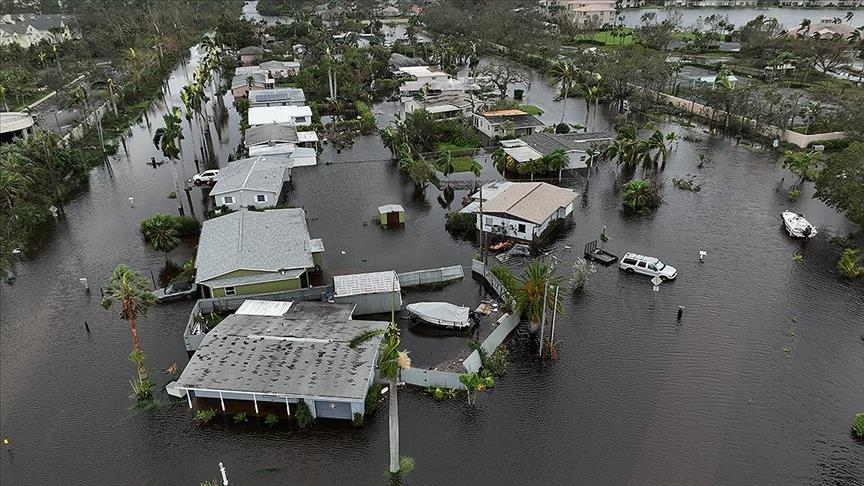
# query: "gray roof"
41, 22
266, 241
259, 79
546, 143
278, 95
519, 121
279, 65
273, 132
218, 283
250, 50
301, 354
253, 174
400, 60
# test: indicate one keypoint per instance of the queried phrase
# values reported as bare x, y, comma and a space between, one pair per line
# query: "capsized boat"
441, 314
797, 226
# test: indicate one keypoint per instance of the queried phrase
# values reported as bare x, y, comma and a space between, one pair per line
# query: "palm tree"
14, 179
556, 161
501, 159
639, 194
390, 362
672, 137
590, 154
160, 231
531, 287
563, 72
592, 95
653, 150
445, 164
131, 291
167, 139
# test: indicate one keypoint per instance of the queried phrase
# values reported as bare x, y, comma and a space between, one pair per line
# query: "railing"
433, 276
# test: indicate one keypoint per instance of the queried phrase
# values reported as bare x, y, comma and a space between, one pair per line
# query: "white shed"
371, 293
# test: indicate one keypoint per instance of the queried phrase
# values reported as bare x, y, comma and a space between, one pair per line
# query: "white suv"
206, 177
634, 263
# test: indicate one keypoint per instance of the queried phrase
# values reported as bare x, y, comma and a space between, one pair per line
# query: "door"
392, 219
336, 410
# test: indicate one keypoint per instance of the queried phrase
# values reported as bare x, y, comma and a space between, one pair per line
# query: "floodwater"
634, 398
788, 17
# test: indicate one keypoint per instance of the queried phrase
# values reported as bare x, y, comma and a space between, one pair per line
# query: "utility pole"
543, 320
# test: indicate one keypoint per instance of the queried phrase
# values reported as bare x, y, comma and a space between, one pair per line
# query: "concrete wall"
424, 378
260, 288
426, 277
372, 303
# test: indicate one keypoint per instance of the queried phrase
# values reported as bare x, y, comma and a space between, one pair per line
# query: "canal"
757, 385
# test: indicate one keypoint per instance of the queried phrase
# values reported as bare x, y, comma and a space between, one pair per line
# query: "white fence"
433, 276
424, 378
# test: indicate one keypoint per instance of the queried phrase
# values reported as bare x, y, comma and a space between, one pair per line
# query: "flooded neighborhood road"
757, 385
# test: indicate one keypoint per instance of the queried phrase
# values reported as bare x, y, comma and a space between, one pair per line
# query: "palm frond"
365, 336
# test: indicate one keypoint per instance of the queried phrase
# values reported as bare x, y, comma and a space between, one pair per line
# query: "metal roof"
266, 241
518, 118
258, 79
304, 353
272, 132
534, 202
255, 278
523, 153
254, 174
546, 143
316, 245
277, 95
366, 283
252, 307
390, 208
260, 115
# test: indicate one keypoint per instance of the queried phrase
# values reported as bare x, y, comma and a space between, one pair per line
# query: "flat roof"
271, 132
522, 153
366, 283
303, 353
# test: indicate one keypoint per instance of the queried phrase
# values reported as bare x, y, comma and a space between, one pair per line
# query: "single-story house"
437, 86
256, 252
294, 115
246, 70
276, 138
30, 29
15, 124
272, 357
371, 293
506, 123
360, 40
520, 210
240, 84
442, 106
400, 60
256, 182
422, 73
280, 69
574, 145
250, 55
278, 97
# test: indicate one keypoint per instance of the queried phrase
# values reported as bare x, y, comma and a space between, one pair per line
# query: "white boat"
441, 314
797, 226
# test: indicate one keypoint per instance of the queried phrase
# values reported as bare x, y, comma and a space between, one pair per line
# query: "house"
826, 30
574, 146
277, 97
30, 29
15, 124
293, 115
246, 70
360, 40
370, 293
437, 86
270, 356
391, 215
397, 61
422, 73
390, 11
710, 3
250, 55
520, 210
254, 182
506, 123
280, 69
256, 252
242, 84
586, 13
274, 138
441, 106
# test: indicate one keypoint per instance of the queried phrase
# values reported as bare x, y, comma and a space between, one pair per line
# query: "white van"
635, 263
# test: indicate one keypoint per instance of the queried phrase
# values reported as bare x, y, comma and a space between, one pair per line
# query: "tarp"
441, 313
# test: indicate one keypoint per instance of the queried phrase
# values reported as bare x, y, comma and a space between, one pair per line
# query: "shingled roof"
534, 202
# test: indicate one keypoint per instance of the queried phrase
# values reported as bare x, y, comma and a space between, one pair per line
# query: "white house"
588, 13
506, 123
29, 29
280, 69
521, 210
256, 182
294, 115
279, 139
437, 86
422, 73
442, 106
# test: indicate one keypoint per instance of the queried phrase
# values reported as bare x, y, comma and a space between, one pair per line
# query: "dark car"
176, 291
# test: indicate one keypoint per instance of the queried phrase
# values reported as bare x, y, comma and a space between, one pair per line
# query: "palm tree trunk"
596, 105
394, 427
176, 185
136, 347
564, 106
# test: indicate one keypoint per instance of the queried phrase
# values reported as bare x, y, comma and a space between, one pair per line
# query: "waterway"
788, 17
757, 385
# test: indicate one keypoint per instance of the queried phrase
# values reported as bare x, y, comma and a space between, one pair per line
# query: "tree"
501, 161
641, 195
841, 180
503, 74
811, 112
131, 291
445, 164
160, 230
15, 182
658, 35
800, 163
563, 72
556, 161
167, 139
475, 382
390, 362
848, 266
531, 287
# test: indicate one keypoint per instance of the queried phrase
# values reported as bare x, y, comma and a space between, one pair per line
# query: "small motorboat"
441, 314
501, 246
797, 226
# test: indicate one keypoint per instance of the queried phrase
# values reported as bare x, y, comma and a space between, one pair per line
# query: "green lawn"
462, 164
531, 109
455, 147
607, 38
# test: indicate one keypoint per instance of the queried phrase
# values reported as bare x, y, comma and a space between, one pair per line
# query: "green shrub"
496, 364
506, 277
204, 416
457, 222
858, 426
793, 194
438, 394
372, 397
271, 419
142, 390
357, 421
848, 266
641, 195
367, 118
240, 417
304, 416
187, 226
562, 128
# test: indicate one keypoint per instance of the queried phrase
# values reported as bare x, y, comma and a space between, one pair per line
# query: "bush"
372, 397
457, 222
271, 419
858, 426
793, 194
367, 118
687, 183
582, 269
848, 266
832, 145
142, 390
240, 417
496, 364
506, 277
304, 416
204, 416
357, 421
562, 128
641, 195
187, 226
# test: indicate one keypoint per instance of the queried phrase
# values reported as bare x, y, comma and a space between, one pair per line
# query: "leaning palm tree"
591, 153
531, 287
563, 72
15, 181
131, 291
167, 139
445, 165
501, 160
390, 362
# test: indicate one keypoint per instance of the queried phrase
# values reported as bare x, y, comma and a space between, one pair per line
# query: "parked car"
206, 177
176, 291
635, 263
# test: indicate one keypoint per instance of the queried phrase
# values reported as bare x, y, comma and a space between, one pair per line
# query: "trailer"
596, 254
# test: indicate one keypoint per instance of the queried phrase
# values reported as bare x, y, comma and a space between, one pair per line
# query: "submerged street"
634, 397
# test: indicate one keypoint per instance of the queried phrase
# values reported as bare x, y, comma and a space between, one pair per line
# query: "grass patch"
531, 109
607, 37
456, 147
462, 164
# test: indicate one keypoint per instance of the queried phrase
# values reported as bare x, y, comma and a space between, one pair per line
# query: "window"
582, 158
521, 228
300, 119
228, 199
261, 198
629, 261
660, 265
230, 291
641, 264
488, 221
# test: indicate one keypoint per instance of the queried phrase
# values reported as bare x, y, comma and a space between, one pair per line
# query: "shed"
371, 293
391, 215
